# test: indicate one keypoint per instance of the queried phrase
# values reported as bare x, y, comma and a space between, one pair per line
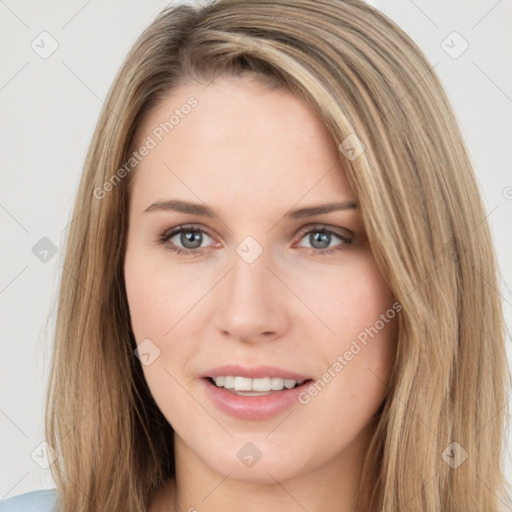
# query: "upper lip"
254, 372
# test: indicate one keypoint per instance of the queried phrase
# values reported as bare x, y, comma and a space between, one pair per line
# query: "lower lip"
252, 407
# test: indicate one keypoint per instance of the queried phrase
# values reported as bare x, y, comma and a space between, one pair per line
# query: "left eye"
321, 239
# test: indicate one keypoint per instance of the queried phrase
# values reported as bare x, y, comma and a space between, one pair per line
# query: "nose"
254, 304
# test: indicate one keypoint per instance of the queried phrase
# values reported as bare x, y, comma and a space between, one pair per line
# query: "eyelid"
339, 231
184, 227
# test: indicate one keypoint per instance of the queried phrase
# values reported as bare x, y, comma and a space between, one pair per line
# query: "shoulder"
35, 501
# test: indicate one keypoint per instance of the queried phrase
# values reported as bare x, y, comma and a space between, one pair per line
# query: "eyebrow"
204, 211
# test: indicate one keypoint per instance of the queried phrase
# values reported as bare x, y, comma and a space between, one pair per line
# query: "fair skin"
252, 154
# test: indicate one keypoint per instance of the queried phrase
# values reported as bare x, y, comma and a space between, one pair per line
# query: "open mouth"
245, 386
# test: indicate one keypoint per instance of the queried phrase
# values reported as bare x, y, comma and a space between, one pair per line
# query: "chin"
254, 459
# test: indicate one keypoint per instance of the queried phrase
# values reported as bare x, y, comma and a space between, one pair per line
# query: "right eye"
185, 239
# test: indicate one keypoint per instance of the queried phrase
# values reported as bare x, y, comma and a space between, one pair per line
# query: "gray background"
49, 109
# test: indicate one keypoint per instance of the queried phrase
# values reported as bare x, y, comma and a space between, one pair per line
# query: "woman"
279, 278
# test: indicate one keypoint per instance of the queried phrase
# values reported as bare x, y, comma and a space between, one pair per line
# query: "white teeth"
242, 384
289, 383
229, 382
262, 384
276, 383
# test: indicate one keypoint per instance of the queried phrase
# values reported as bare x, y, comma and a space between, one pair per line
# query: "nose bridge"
249, 278
252, 302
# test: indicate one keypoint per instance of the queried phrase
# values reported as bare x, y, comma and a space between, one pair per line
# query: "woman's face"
247, 263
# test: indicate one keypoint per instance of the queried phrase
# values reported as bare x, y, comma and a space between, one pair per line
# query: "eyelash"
166, 236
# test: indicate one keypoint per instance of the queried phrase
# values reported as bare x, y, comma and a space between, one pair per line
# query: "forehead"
240, 138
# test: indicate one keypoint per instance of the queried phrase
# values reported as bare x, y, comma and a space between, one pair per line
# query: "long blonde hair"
424, 219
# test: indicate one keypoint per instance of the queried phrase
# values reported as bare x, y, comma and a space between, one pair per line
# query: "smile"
253, 393
246, 386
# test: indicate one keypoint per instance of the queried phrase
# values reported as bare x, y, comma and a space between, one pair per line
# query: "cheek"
157, 301
165, 308
157, 297
371, 341
349, 301
358, 360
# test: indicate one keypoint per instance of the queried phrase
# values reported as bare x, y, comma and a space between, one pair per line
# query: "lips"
253, 393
